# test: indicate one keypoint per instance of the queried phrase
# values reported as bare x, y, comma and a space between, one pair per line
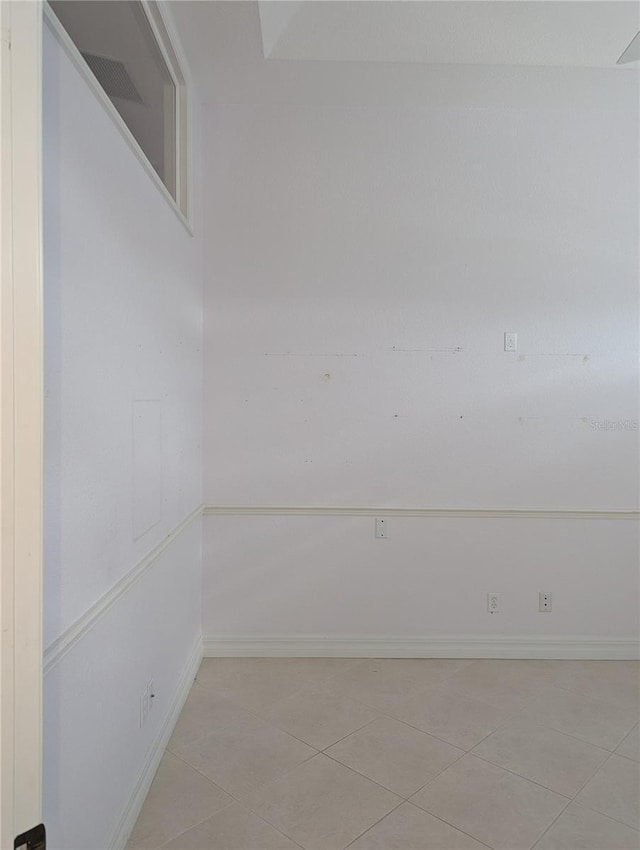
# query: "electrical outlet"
493, 603
381, 528
544, 603
510, 342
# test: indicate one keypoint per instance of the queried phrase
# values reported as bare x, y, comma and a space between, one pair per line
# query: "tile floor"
397, 754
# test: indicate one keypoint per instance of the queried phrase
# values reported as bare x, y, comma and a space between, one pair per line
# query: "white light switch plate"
381, 528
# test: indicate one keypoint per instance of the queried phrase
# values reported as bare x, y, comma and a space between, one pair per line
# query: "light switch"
381, 528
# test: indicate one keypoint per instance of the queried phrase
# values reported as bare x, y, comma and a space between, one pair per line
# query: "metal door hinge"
35, 839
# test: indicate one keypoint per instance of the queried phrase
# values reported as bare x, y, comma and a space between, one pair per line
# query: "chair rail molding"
460, 513
64, 643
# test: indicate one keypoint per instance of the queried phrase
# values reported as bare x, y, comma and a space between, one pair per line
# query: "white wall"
329, 577
123, 324
362, 265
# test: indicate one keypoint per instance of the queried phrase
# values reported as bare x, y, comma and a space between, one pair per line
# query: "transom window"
127, 49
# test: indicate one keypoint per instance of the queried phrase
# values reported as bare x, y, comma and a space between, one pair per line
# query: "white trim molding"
434, 646
21, 418
455, 513
156, 751
62, 645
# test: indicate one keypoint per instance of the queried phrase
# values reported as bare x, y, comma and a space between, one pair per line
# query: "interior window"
119, 45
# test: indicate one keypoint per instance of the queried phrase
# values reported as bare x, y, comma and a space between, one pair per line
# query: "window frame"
163, 33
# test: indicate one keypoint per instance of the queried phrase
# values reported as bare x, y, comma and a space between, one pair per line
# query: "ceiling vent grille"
113, 77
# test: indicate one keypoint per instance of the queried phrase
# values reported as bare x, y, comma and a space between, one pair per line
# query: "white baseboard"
448, 646
155, 752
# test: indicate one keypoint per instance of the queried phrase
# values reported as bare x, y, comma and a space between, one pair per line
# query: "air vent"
113, 77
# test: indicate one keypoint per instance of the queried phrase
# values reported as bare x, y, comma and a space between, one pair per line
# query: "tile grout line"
597, 770
346, 696
364, 832
437, 817
533, 781
548, 729
429, 781
541, 836
424, 731
375, 782
273, 826
271, 782
228, 805
348, 735
597, 811
441, 684
382, 787
396, 718
574, 801
608, 817
622, 756
324, 752
260, 787
575, 738
234, 802
568, 803
204, 775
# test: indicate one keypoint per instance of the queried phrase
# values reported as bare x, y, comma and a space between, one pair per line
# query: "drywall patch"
147, 465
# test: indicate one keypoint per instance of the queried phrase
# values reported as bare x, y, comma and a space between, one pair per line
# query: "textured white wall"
94, 748
123, 323
362, 265
330, 576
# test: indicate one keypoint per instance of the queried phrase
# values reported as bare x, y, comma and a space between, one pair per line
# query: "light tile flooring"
396, 754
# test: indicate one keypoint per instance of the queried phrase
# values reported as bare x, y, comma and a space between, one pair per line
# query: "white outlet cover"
511, 342
545, 602
493, 603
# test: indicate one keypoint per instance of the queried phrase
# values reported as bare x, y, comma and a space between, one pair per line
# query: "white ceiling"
557, 33
432, 52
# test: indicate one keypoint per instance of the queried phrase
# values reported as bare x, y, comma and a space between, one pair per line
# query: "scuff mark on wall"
554, 354
455, 350
298, 354
523, 357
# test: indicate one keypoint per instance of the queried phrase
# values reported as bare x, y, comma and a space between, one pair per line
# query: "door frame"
21, 412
